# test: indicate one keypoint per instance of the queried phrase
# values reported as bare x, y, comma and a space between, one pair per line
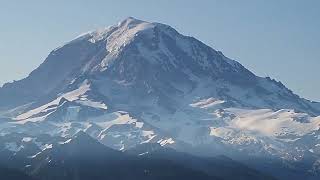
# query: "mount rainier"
139, 82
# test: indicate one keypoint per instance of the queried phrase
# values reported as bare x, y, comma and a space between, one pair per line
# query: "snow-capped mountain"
140, 82
154, 60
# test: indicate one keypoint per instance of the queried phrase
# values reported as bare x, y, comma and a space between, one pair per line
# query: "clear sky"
280, 39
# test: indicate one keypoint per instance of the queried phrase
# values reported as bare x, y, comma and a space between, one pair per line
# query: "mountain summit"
150, 58
139, 82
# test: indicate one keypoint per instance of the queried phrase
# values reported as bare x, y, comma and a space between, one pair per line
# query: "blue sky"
280, 39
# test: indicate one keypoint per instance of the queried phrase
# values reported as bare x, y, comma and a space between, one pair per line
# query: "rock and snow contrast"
139, 82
